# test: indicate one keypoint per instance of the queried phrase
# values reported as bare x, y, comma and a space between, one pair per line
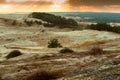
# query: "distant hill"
39, 18
92, 16
54, 19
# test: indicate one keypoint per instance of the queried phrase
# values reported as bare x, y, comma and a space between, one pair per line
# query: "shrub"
54, 43
53, 19
14, 22
48, 25
66, 50
96, 51
104, 27
29, 23
44, 75
13, 54
38, 22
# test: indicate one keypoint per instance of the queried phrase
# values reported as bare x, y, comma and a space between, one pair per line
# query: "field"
78, 65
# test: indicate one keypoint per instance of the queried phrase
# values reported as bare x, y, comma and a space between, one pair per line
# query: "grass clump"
54, 43
44, 75
96, 51
13, 54
66, 50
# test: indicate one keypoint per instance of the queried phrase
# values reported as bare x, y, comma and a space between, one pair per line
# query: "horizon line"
59, 12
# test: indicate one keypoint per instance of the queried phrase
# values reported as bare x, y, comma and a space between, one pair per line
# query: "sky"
8, 6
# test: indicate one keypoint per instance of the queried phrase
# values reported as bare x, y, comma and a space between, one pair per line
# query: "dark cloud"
98, 3
93, 5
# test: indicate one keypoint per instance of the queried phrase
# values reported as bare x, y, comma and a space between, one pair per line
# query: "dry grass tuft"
96, 51
44, 75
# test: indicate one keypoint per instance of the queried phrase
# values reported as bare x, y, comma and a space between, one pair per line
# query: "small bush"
66, 50
44, 75
14, 22
38, 22
48, 25
29, 23
54, 43
13, 54
96, 51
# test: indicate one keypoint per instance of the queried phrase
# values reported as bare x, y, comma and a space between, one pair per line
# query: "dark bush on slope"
13, 54
66, 50
30, 23
54, 43
104, 27
44, 75
53, 19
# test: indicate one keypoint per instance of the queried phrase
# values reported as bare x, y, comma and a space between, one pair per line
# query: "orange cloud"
89, 8
59, 5
99, 3
24, 6
92, 5
113, 8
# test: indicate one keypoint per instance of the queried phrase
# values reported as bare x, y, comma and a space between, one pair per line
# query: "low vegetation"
44, 75
14, 22
54, 43
66, 50
38, 22
30, 23
13, 54
104, 27
55, 20
48, 25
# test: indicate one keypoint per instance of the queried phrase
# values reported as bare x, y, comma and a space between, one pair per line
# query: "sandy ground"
80, 65
34, 38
